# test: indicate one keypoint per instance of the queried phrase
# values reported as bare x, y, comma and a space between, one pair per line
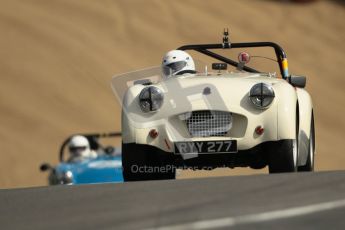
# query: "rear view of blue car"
87, 161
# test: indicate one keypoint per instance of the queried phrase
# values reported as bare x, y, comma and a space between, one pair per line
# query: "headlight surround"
151, 99
261, 95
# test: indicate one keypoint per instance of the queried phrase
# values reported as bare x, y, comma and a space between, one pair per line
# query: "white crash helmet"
177, 62
79, 146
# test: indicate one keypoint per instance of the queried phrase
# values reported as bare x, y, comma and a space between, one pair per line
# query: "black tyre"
141, 162
309, 166
282, 156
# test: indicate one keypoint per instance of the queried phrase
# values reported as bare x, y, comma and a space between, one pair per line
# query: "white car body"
233, 88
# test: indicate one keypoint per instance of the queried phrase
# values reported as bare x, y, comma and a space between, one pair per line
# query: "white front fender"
286, 114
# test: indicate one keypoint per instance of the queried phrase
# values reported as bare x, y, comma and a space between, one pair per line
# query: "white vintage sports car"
249, 115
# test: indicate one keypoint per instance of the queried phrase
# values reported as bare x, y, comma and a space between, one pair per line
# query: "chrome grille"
208, 123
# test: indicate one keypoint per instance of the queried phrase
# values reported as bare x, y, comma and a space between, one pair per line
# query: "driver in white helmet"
79, 148
177, 62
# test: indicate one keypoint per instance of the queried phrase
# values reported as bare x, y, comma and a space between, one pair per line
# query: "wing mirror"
298, 81
45, 166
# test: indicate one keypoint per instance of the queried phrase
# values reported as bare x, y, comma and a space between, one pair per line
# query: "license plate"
229, 146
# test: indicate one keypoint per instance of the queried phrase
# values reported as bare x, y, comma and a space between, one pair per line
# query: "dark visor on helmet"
174, 67
75, 149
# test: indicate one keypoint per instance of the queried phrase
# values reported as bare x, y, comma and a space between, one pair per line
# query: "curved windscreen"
120, 83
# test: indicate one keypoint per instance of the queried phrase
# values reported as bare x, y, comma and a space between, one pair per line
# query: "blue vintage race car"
106, 167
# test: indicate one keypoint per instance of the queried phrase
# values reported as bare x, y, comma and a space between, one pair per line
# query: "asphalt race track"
284, 201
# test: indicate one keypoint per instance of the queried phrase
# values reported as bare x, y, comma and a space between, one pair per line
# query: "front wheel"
142, 162
282, 156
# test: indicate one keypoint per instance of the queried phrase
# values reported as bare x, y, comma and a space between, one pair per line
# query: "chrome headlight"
65, 177
151, 99
261, 95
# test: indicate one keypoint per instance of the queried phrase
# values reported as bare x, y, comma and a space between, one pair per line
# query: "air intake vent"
208, 123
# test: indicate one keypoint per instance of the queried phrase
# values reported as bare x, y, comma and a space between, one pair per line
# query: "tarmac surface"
280, 201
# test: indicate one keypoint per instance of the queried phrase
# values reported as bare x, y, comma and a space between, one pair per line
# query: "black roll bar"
205, 49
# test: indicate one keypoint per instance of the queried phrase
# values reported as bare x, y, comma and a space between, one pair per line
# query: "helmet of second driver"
79, 147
